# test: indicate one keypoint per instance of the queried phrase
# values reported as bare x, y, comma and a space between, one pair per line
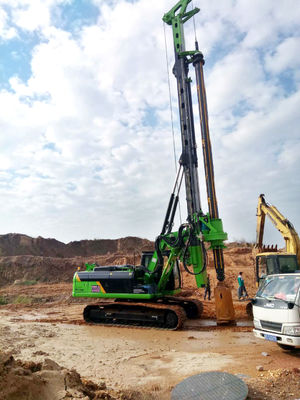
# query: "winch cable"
195, 33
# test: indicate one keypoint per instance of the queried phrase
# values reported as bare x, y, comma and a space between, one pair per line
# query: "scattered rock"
6, 359
50, 365
32, 366
259, 368
72, 378
40, 353
50, 334
242, 376
265, 354
102, 385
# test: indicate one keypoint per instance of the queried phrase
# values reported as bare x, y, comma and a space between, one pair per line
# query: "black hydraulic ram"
173, 203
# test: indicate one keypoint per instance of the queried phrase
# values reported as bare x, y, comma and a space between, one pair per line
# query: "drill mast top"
177, 19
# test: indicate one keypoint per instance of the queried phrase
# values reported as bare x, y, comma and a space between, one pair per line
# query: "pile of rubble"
27, 380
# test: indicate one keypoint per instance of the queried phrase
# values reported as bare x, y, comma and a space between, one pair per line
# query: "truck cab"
276, 310
275, 263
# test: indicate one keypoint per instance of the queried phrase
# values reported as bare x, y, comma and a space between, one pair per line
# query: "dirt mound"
32, 269
14, 244
44, 381
47, 380
281, 384
29, 267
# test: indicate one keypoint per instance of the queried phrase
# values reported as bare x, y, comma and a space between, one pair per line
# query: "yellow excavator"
269, 260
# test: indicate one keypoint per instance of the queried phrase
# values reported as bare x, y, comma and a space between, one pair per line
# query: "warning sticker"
95, 289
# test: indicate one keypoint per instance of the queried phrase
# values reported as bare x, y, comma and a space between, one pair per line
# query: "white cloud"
285, 57
27, 16
6, 31
82, 158
32, 15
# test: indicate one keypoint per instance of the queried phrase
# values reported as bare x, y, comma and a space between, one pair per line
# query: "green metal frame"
176, 17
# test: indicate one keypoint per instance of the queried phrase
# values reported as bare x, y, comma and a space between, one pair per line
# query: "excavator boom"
282, 224
269, 260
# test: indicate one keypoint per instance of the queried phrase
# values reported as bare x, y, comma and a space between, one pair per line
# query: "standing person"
242, 287
207, 288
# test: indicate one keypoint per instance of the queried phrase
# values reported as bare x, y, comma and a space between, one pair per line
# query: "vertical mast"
176, 17
205, 227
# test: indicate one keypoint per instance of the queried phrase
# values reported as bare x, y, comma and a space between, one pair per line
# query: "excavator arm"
283, 225
269, 260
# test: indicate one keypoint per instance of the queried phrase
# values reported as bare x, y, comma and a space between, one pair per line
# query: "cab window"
287, 264
271, 266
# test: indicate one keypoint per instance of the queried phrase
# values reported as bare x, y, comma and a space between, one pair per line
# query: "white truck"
276, 310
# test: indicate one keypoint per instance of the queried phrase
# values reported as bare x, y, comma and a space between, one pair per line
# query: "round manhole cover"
211, 386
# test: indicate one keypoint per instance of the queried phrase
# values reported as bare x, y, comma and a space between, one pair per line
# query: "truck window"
271, 266
280, 287
287, 264
262, 267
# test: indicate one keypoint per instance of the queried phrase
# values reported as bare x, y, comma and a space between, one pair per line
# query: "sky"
86, 146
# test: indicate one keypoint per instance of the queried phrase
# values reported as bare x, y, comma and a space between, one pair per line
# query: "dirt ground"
42, 326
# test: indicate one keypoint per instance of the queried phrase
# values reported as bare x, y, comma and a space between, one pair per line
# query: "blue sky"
86, 144
16, 53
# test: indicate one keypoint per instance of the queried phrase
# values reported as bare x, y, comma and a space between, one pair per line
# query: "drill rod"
208, 159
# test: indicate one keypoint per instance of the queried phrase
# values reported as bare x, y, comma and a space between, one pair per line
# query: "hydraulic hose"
204, 252
179, 242
171, 242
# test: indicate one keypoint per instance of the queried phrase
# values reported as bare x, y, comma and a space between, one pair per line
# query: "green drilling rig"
147, 294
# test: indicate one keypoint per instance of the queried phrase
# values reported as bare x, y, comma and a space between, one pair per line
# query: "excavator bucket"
224, 305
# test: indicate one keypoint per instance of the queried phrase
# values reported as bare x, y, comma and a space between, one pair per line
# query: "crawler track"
167, 313
192, 307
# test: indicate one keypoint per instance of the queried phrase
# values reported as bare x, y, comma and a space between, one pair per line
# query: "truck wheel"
286, 347
249, 309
